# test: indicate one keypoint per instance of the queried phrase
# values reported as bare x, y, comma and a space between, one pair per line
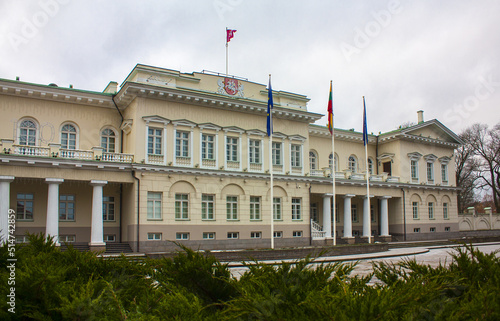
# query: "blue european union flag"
270, 106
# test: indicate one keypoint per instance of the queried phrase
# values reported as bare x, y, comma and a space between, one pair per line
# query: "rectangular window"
182, 144
354, 212
277, 153
444, 173
416, 230
414, 206
182, 236
254, 151
108, 208
67, 239
431, 210
154, 206
372, 213
233, 235
430, 172
297, 233
278, 234
22, 239
296, 209
414, 169
447, 229
66, 207
232, 149
432, 229
445, 211
255, 235
296, 155
209, 235
232, 207
337, 213
277, 208
155, 141
255, 208
25, 203
207, 207
314, 212
181, 206
154, 236
207, 146
109, 238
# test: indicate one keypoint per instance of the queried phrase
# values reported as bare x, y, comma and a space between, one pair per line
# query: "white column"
366, 217
327, 215
52, 223
347, 215
96, 233
384, 216
4, 207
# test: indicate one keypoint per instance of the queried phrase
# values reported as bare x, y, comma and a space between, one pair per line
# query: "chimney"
420, 115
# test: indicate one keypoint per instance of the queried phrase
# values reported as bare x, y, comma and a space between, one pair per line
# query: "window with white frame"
314, 212
232, 149
68, 136
22, 239
154, 206
255, 235
66, 207
296, 209
432, 229
445, 211
296, 154
416, 230
430, 171
297, 234
67, 239
207, 207
414, 169
370, 166
108, 140
414, 206
109, 238
232, 208
181, 144
182, 236
25, 205
209, 235
181, 206
278, 234
254, 148
312, 161
277, 153
373, 218
155, 138
330, 162
28, 132
430, 206
154, 236
444, 173
354, 212
207, 146
352, 164
255, 208
108, 208
233, 235
277, 208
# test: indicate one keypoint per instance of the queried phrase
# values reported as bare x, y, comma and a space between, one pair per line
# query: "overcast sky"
442, 57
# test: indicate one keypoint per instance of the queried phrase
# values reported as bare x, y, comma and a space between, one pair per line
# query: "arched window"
330, 161
370, 166
313, 164
68, 136
27, 132
108, 140
352, 164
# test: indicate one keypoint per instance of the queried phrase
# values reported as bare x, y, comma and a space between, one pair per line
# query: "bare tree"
486, 146
466, 172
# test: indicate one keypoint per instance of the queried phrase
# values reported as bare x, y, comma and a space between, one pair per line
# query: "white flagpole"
271, 168
369, 223
226, 54
333, 177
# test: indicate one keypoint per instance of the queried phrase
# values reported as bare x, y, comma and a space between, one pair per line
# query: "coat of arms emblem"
230, 86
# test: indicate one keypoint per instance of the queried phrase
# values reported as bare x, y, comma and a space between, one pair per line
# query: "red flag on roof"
229, 34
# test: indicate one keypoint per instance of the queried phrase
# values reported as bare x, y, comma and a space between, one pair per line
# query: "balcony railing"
31, 150
255, 167
117, 157
155, 159
182, 161
210, 163
76, 154
317, 232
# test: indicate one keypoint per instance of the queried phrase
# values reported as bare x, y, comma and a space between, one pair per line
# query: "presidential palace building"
184, 157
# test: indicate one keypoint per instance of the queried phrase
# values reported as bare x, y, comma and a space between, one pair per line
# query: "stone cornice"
52, 93
340, 134
131, 90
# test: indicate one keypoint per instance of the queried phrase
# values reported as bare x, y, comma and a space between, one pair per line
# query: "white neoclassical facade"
169, 156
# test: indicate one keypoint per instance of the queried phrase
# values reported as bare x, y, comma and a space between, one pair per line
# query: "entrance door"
387, 168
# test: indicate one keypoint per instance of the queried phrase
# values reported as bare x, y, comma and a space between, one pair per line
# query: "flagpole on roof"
227, 51
331, 128
367, 228
270, 134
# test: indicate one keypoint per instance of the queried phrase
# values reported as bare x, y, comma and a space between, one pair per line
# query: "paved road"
432, 256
